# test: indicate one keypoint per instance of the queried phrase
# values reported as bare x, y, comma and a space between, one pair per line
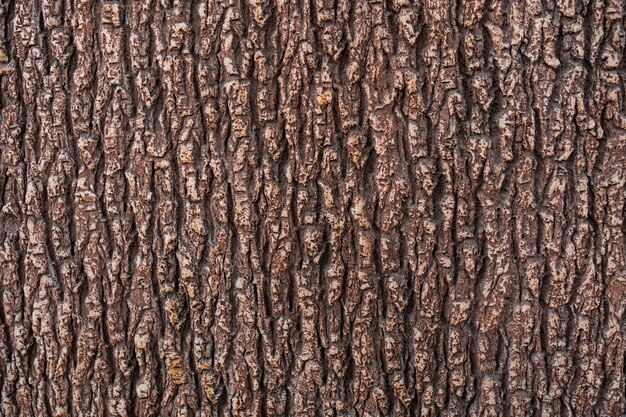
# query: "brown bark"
312, 208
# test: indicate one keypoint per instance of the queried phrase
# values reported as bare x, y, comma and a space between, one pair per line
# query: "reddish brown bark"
303, 208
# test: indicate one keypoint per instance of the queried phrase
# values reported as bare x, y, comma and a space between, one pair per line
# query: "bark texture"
312, 208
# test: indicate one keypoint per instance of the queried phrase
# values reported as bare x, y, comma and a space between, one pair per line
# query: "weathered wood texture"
312, 208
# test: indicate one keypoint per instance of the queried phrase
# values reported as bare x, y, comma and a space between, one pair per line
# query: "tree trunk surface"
312, 208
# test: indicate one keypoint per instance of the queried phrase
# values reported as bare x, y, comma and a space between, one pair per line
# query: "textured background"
312, 208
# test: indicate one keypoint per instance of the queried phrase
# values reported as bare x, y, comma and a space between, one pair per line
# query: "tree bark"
312, 208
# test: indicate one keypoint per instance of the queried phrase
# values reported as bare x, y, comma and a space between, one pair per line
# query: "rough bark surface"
312, 208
